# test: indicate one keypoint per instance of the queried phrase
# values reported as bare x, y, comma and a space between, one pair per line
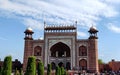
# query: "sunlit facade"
60, 46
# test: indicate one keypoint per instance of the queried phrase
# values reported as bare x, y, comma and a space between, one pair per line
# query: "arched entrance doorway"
60, 50
83, 64
60, 54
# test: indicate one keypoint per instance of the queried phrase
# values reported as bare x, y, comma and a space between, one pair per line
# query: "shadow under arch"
68, 67
53, 65
37, 51
60, 50
82, 50
61, 64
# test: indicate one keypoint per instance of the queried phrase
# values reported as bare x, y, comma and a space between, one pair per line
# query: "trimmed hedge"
49, 69
31, 66
57, 70
62, 71
40, 68
7, 66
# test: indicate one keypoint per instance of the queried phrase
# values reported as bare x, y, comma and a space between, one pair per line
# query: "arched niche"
60, 50
83, 64
37, 51
82, 50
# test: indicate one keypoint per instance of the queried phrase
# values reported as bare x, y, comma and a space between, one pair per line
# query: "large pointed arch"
60, 50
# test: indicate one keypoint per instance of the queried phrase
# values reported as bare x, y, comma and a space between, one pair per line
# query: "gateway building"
60, 46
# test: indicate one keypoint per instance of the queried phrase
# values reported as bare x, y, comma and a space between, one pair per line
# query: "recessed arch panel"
83, 64
37, 51
82, 51
60, 50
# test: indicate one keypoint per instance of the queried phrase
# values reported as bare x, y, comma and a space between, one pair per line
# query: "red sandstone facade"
61, 46
114, 65
111, 66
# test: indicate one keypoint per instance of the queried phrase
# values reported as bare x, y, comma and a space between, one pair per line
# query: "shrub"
40, 68
57, 70
31, 66
62, 71
7, 66
49, 69
66, 73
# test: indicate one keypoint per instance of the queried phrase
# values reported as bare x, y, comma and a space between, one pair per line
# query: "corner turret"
28, 34
93, 33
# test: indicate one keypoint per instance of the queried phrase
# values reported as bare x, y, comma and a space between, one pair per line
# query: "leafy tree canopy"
100, 61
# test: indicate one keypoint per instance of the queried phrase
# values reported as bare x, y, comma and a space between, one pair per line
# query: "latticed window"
37, 51
82, 51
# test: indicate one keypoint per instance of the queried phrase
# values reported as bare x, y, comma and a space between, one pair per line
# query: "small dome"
93, 29
28, 30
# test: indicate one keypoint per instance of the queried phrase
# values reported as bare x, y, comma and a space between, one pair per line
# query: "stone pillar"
56, 53
73, 54
46, 53
50, 53
65, 53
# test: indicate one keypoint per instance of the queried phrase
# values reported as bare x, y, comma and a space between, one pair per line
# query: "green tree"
100, 61
40, 68
62, 71
57, 70
7, 66
49, 69
66, 73
31, 66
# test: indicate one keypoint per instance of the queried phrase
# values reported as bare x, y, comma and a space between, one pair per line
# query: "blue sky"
17, 15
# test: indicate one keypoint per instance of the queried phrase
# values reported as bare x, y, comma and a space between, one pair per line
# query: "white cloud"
114, 28
86, 12
81, 34
33, 24
113, 1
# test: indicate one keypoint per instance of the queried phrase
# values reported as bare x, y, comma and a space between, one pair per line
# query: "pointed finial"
44, 24
93, 26
76, 23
